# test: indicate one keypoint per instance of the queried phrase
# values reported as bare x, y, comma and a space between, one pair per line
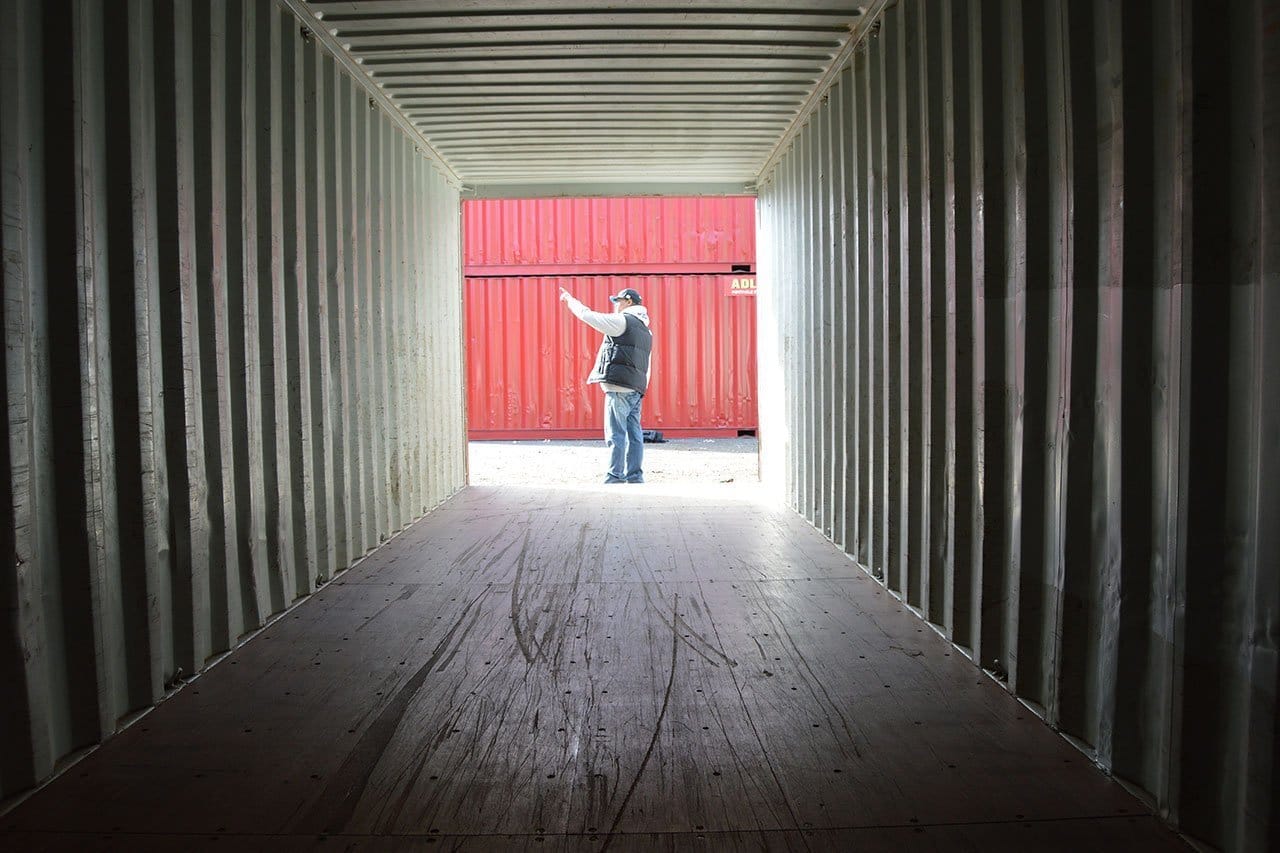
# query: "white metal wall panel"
232, 319
1028, 385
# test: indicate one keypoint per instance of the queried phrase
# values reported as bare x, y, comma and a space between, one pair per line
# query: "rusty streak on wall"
233, 358
1020, 359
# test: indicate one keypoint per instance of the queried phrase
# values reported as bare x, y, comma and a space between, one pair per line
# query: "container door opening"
532, 415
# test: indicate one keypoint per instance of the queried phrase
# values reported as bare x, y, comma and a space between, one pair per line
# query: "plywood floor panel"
614, 667
1120, 834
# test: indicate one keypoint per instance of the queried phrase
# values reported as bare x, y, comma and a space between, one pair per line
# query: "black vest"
624, 360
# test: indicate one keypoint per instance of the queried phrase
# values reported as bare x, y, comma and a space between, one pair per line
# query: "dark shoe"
612, 481
640, 481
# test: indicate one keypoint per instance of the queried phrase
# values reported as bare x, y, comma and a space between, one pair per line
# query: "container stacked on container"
691, 259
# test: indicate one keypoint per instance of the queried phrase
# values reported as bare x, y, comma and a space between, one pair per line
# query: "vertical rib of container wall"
184, 262
1071, 261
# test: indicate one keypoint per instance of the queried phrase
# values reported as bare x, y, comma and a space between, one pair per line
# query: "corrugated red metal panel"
528, 357
620, 233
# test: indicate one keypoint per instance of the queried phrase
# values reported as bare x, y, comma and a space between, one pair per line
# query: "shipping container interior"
1011, 579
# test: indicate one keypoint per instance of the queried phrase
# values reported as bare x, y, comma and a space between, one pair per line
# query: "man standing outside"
622, 371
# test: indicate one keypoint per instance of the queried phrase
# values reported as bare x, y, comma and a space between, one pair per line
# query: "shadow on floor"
533, 669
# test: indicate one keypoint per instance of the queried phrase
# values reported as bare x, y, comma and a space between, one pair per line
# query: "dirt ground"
703, 461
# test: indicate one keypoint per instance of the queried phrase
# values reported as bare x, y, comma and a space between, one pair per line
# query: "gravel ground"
704, 461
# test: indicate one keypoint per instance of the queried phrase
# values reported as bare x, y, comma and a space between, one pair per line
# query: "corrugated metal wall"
232, 357
599, 235
1020, 358
528, 357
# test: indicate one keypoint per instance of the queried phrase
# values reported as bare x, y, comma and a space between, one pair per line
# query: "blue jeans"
623, 435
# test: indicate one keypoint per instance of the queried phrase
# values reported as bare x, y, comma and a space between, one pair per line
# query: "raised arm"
608, 324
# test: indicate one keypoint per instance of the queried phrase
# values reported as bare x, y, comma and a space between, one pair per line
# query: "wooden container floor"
619, 668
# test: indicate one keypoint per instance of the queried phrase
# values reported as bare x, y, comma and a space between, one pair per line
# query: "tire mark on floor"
657, 731
764, 751
517, 605
405, 595
333, 809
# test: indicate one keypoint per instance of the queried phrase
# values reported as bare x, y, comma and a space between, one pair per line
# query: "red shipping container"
590, 236
528, 356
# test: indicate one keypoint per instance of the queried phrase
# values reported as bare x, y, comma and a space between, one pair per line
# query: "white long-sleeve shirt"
612, 324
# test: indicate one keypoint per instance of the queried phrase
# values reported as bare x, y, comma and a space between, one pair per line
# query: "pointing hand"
564, 295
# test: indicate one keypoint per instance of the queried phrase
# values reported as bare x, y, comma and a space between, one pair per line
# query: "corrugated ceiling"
558, 95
